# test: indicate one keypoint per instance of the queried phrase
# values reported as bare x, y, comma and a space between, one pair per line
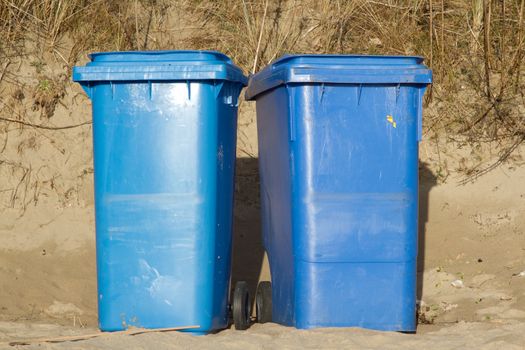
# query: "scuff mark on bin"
220, 157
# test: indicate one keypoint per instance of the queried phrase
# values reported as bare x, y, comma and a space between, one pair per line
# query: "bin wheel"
241, 306
263, 302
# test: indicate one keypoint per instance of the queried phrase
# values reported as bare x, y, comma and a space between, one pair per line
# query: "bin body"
338, 157
164, 131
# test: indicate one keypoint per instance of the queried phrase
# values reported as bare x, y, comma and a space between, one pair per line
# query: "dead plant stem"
442, 38
519, 52
431, 34
504, 67
39, 126
486, 44
260, 38
137, 24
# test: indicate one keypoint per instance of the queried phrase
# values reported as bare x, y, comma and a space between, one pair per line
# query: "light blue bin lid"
339, 69
158, 65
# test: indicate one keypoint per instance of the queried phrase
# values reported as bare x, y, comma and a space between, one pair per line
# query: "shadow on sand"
248, 251
427, 180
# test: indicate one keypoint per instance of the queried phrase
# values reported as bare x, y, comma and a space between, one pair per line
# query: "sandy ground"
271, 336
472, 247
473, 295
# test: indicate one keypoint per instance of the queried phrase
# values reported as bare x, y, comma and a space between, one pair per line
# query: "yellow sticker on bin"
391, 120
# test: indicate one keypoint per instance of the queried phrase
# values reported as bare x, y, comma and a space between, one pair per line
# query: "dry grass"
480, 43
475, 47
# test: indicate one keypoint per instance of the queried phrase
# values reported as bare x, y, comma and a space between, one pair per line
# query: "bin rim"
339, 69
171, 65
168, 53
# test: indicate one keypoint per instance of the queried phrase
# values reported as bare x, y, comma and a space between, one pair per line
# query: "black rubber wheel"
263, 302
241, 306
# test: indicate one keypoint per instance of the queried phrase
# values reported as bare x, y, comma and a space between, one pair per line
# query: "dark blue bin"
338, 156
164, 132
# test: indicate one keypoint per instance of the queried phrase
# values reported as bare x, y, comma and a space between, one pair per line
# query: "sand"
271, 336
472, 251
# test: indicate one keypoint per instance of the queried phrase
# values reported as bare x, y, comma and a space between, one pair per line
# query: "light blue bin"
164, 133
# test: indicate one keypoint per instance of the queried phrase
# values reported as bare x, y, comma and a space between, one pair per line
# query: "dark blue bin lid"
339, 69
158, 65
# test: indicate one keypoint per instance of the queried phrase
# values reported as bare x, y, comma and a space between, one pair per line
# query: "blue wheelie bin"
164, 133
338, 157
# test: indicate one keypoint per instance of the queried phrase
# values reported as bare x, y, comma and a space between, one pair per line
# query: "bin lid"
339, 69
158, 65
